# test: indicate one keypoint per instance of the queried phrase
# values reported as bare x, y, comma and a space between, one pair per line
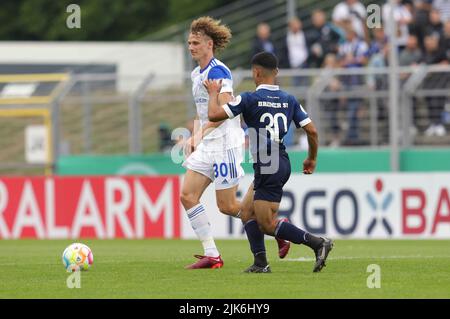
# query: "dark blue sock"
255, 237
289, 232
296, 235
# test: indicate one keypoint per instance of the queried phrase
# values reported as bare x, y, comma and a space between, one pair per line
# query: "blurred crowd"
345, 41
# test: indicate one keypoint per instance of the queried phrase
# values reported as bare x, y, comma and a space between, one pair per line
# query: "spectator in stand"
378, 44
434, 55
445, 40
354, 11
403, 18
353, 54
445, 48
296, 48
435, 26
377, 55
322, 39
262, 41
377, 58
333, 105
411, 56
443, 6
297, 55
421, 19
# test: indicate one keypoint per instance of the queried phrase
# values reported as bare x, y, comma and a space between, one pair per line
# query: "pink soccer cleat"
206, 262
283, 245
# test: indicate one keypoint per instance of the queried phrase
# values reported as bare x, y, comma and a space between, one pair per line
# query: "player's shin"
202, 228
297, 235
256, 240
230, 207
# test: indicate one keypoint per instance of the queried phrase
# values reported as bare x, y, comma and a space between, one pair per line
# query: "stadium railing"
26, 102
90, 116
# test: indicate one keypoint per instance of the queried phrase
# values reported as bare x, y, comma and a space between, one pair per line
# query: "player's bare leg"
194, 185
247, 214
247, 211
265, 212
229, 205
227, 201
255, 236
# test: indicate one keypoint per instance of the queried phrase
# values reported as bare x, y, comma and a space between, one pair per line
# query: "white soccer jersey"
229, 134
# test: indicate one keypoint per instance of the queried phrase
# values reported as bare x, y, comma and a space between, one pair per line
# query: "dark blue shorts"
269, 187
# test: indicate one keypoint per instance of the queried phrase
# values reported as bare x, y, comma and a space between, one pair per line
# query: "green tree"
101, 20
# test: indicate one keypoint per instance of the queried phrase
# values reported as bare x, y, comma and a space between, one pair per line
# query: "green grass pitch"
155, 269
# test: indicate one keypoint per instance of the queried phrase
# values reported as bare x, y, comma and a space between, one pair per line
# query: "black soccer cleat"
322, 254
258, 269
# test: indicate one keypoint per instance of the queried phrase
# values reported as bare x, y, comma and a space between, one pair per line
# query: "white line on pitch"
308, 259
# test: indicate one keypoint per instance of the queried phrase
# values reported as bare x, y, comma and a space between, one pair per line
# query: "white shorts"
222, 167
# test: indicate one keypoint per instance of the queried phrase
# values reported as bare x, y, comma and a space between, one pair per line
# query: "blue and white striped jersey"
229, 134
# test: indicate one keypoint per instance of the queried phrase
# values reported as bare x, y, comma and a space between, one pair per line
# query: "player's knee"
188, 199
246, 214
227, 208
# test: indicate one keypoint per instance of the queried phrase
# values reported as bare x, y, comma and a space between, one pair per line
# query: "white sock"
200, 224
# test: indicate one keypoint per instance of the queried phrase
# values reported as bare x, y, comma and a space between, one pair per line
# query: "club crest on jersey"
236, 101
201, 100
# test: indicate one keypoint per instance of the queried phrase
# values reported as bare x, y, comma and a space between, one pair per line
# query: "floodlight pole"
393, 89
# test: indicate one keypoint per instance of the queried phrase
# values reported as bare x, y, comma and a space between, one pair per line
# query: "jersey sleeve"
219, 72
301, 118
237, 106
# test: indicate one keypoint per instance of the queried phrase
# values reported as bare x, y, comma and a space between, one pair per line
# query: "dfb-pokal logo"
379, 207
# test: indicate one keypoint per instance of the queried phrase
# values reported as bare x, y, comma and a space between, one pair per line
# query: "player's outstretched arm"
215, 112
309, 165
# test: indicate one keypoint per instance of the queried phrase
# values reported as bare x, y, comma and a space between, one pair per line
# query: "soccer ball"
77, 257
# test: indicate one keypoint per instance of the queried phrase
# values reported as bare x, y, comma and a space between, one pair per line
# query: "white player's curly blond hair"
219, 33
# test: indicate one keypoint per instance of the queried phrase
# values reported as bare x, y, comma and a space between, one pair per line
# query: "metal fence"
349, 106
244, 16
